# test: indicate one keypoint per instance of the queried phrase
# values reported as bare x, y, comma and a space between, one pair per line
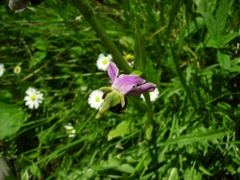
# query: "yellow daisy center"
33, 98
105, 61
70, 131
17, 69
129, 57
97, 99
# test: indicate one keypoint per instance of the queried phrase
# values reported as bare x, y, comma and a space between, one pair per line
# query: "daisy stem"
87, 12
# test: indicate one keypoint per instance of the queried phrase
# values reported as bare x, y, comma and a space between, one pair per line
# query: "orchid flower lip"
118, 108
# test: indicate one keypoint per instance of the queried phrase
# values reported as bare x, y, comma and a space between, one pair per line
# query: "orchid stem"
86, 10
149, 103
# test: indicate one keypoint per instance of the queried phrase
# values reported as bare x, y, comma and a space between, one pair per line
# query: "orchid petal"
112, 71
125, 83
138, 90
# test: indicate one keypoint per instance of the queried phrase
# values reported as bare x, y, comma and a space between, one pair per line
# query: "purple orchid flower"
129, 85
122, 86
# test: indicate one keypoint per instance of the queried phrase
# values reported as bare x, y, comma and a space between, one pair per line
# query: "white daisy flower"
95, 99
70, 130
17, 69
2, 69
83, 89
78, 18
153, 95
103, 61
119, 146
33, 98
130, 59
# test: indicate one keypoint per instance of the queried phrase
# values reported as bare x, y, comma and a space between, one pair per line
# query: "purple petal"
138, 90
18, 5
125, 83
112, 71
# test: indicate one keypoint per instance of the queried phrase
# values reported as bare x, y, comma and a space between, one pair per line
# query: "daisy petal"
95, 99
103, 61
2, 69
33, 98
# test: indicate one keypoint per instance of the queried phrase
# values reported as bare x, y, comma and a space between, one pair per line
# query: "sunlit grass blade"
139, 50
196, 138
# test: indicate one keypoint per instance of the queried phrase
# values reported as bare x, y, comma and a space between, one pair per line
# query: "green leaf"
212, 27
11, 119
173, 174
211, 43
148, 131
227, 38
192, 173
127, 41
139, 51
75, 52
197, 137
41, 44
116, 164
221, 15
126, 168
35, 170
194, 26
122, 129
235, 67
138, 104
137, 72
111, 163
201, 6
5, 96
204, 6
223, 60
173, 15
37, 58
205, 171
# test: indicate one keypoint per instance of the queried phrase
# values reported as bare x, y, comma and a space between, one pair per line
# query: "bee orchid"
122, 86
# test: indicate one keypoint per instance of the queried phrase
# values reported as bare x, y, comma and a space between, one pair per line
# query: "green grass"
187, 48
